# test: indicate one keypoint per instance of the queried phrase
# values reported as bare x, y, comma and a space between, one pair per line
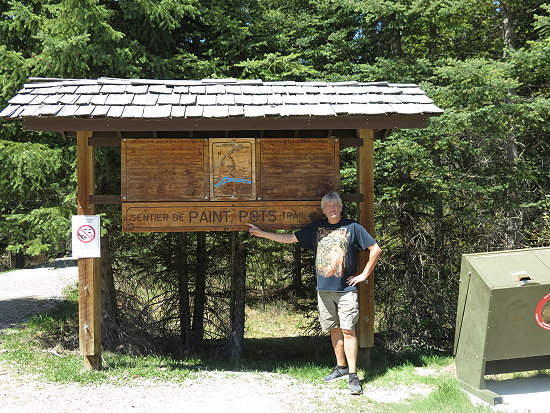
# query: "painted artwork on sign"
232, 163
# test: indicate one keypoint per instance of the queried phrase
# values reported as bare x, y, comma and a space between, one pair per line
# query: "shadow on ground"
536, 384
59, 263
310, 352
16, 311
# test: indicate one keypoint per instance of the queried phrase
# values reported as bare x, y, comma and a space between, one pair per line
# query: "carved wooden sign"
164, 170
217, 216
297, 168
232, 169
222, 183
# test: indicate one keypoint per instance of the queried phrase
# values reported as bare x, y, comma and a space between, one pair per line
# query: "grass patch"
272, 321
447, 397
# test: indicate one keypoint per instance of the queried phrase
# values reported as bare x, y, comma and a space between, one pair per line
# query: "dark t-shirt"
336, 251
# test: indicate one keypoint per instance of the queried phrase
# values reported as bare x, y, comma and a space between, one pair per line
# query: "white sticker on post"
86, 236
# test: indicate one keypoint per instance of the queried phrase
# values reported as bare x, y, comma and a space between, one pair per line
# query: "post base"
484, 394
363, 358
92, 362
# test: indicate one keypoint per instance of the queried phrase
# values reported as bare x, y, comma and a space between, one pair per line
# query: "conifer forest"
476, 179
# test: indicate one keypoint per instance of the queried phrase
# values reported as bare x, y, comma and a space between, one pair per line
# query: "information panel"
297, 168
164, 170
220, 184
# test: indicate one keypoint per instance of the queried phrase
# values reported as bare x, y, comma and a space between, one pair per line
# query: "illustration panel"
232, 169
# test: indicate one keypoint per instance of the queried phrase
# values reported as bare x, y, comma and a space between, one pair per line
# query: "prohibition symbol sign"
85, 234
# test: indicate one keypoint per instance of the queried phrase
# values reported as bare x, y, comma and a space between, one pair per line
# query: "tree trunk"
396, 42
108, 293
238, 294
508, 30
413, 268
514, 218
432, 41
396, 46
439, 235
183, 292
19, 260
200, 289
297, 271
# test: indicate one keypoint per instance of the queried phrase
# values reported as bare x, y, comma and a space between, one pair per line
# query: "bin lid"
512, 268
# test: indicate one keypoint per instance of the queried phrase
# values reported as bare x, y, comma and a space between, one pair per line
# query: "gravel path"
213, 392
31, 291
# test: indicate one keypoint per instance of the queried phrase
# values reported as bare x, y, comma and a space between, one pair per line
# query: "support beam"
388, 121
89, 278
365, 186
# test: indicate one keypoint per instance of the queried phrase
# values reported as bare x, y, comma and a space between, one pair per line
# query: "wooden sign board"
228, 169
232, 169
217, 216
297, 168
220, 184
164, 170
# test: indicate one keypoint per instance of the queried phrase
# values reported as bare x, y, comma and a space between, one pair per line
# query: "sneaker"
337, 373
354, 384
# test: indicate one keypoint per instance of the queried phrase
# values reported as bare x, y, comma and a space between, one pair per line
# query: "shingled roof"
104, 103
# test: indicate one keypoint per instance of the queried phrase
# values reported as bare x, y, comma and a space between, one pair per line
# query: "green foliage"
36, 197
542, 23
275, 67
446, 397
531, 65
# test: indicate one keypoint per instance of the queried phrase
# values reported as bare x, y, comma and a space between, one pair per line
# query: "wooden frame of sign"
219, 184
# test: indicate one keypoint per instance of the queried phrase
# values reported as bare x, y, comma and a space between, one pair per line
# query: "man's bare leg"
350, 349
337, 339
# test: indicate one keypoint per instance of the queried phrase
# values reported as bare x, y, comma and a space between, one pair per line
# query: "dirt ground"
31, 291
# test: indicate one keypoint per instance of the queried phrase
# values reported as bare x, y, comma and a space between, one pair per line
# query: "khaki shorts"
338, 310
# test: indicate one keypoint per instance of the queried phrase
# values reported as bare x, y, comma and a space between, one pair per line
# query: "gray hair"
331, 196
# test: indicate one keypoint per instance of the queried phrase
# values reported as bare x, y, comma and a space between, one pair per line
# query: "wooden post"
365, 183
238, 295
89, 278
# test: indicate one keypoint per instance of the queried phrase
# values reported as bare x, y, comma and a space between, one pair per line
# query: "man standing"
337, 242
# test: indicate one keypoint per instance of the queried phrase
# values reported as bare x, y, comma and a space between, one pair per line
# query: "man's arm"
273, 236
374, 253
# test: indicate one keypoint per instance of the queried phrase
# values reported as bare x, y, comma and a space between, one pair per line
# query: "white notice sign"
86, 236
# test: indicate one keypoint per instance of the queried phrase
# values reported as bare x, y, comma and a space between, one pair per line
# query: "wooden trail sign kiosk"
220, 184
211, 155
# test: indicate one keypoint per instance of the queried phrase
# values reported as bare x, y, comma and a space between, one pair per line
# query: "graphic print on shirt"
330, 260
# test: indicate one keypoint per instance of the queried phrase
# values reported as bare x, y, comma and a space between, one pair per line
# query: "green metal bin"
503, 316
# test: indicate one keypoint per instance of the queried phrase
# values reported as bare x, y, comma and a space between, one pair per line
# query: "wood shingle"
107, 98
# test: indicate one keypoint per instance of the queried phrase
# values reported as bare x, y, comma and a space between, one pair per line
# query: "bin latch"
522, 277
